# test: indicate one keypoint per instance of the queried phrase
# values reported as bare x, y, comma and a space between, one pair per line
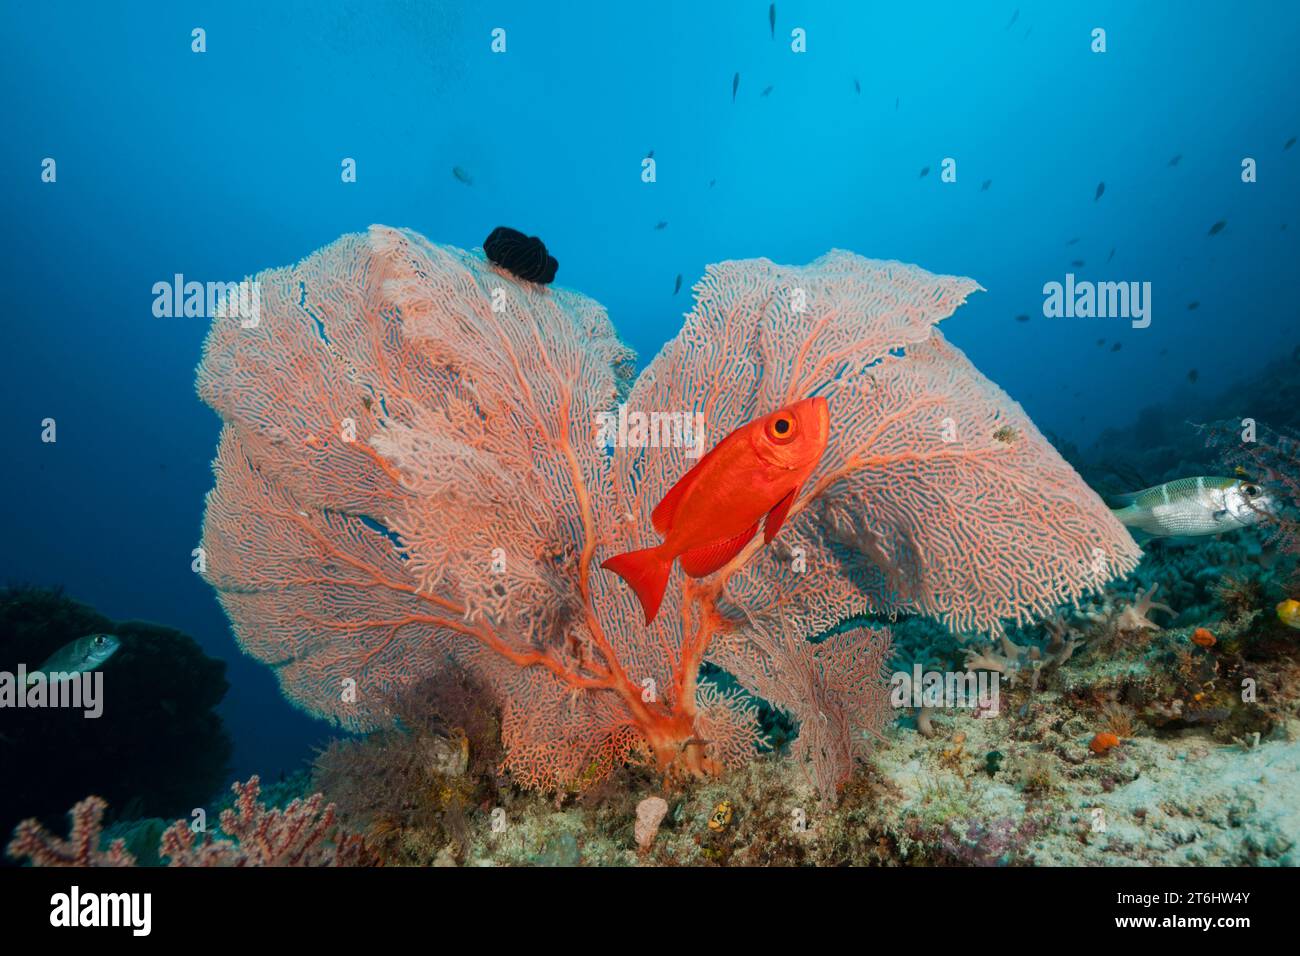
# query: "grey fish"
1077, 263
712, 183
771, 19
1073, 242
987, 184
1012, 22
1217, 227
735, 85
1112, 254
857, 87
1289, 143
662, 224
1193, 306
84, 654
678, 287
1101, 341
650, 155
462, 175
1194, 506
925, 171
1117, 346
1193, 375
766, 90
1022, 318
1174, 161
1101, 188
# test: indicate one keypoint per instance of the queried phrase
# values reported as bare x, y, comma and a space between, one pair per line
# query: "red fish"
714, 509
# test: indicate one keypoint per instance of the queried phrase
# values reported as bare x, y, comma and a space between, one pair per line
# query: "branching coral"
302, 834
34, 843
1014, 660
1270, 457
1136, 616
408, 474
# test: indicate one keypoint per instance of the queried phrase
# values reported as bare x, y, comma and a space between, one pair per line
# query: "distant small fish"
1101, 188
678, 286
1164, 351
1077, 263
987, 184
712, 183
1026, 37
1174, 161
1022, 318
79, 657
925, 171
771, 19
1112, 254
662, 224
1217, 228
766, 90
1193, 306
1012, 22
1117, 346
462, 175
1101, 341
650, 155
857, 87
735, 85
1193, 375
1289, 143
1073, 242
897, 100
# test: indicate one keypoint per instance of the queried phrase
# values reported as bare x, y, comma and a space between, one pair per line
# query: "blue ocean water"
219, 164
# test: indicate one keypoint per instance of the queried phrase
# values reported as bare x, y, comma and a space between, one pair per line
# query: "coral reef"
407, 476
81, 848
159, 747
412, 784
304, 833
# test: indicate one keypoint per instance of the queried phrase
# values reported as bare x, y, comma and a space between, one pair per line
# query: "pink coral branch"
403, 479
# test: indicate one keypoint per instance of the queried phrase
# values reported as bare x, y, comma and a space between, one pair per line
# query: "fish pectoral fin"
776, 517
704, 560
1220, 514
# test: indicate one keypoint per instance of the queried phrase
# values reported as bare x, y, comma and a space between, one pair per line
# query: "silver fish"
1195, 506
84, 654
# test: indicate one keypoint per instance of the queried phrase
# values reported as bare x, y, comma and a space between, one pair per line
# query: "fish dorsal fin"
707, 559
662, 516
776, 517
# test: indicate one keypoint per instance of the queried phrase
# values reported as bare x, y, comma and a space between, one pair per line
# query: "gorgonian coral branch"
410, 474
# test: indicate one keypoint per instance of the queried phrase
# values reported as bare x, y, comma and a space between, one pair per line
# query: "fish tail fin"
647, 573
1121, 501
1125, 513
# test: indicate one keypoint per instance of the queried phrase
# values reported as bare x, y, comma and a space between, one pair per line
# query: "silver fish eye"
1250, 491
99, 639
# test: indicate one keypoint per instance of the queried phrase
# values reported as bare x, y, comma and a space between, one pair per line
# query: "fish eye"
781, 428
1251, 491
99, 639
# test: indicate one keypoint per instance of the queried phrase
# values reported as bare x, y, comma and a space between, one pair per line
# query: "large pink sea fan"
410, 472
